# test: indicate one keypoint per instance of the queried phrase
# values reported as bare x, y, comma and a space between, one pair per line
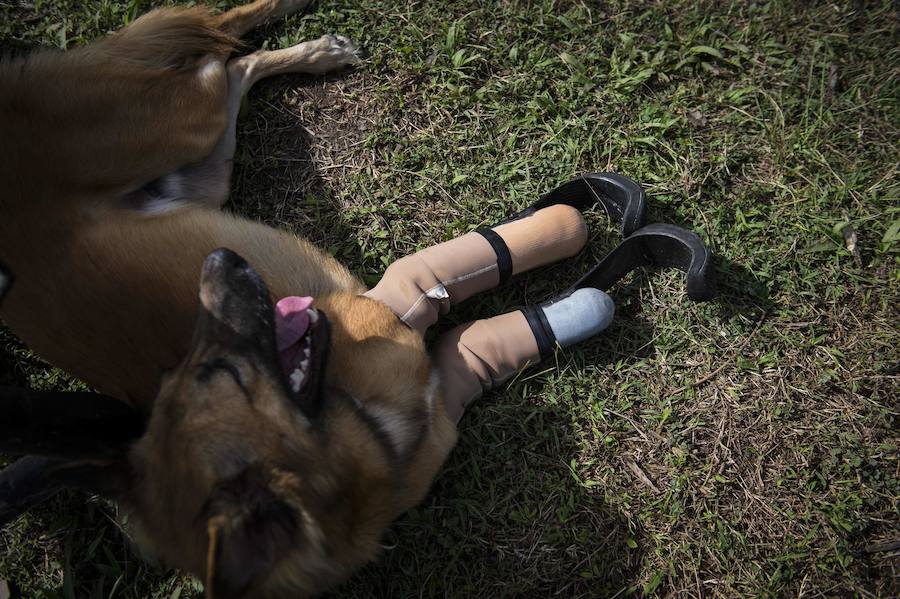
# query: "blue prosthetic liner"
579, 316
569, 320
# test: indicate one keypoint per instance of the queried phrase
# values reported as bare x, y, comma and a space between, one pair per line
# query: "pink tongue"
291, 321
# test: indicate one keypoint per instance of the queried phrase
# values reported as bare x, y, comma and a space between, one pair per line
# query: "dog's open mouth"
301, 334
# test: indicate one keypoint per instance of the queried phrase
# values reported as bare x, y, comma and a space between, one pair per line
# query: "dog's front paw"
333, 52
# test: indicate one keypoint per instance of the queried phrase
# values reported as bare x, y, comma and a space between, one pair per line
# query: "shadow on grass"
277, 178
507, 518
740, 291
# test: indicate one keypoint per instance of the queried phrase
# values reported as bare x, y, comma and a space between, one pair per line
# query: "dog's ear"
75, 440
250, 528
109, 477
68, 425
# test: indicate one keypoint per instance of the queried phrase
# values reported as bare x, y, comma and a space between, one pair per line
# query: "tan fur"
111, 296
112, 115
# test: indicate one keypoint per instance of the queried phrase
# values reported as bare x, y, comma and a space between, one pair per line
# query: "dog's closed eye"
206, 370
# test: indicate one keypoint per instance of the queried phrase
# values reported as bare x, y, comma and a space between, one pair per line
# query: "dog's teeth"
304, 365
313, 315
297, 380
307, 352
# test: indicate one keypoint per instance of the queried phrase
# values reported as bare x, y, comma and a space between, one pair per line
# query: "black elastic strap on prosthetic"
504, 258
540, 328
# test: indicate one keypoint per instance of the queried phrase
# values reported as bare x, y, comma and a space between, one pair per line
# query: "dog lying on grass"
263, 481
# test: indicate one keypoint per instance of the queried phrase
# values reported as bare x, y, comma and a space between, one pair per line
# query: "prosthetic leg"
478, 356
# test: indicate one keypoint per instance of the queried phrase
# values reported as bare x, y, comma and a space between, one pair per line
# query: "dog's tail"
168, 38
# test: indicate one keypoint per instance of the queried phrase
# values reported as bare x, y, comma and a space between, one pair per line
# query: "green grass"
745, 447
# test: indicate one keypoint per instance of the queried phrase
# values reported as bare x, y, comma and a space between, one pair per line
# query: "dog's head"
264, 473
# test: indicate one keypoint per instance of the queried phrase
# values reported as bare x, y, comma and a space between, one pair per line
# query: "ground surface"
746, 447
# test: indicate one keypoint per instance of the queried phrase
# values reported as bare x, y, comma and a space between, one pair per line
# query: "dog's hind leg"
207, 182
328, 53
239, 20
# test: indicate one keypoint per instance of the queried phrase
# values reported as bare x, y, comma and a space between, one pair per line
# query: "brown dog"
113, 159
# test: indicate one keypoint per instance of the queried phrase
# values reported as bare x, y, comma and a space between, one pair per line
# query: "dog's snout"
222, 262
233, 294
226, 273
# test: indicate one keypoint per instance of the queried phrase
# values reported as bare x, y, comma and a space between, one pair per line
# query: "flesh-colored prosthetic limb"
422, 286
478, 356
474, 357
